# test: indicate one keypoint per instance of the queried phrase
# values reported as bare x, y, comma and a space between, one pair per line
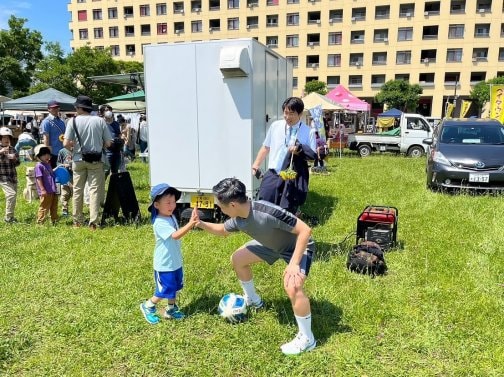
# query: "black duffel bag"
367, 258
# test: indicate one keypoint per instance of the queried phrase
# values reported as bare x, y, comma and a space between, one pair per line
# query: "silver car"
466, 153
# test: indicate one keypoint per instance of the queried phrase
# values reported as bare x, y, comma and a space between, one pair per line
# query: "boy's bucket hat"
160, 189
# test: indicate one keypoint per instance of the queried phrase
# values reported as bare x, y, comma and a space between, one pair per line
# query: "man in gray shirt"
277, 234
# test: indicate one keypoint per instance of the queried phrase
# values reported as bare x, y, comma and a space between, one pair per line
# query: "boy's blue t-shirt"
167, 252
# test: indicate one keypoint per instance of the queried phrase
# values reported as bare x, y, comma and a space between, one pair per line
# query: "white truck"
413, 128
209, 105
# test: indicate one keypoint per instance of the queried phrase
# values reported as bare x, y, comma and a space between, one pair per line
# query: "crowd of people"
88, 145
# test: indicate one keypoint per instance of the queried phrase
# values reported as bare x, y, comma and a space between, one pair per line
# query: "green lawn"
69, 297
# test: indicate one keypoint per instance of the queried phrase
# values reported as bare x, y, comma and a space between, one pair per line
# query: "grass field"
69, 297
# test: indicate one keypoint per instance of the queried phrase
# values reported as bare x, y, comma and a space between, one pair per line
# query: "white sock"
249, 290
304, 324
149, 304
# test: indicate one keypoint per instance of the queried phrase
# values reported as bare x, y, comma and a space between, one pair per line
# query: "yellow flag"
497, 102
449, 109
465, 108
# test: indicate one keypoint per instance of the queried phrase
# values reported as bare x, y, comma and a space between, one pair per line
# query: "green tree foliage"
480, 94
400, 94
20, 50
319, 87
54, 72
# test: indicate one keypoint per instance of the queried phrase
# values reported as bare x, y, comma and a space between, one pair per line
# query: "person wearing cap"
52, 130
89, 133
168, 273
114, 152
9, 159
46, 185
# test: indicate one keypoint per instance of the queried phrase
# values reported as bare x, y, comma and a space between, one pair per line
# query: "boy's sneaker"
149, 314
174, 313
298, 345
12, 220
64, 213
254, 304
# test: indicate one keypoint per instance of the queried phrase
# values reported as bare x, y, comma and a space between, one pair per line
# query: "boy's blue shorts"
168, 283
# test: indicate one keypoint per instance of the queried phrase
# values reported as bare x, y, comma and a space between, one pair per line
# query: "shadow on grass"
318, 209
325, 251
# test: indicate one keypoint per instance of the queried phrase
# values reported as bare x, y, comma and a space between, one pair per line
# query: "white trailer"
209, 105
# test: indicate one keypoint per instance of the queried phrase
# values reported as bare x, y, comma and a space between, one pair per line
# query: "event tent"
38, 101
127, 106
314, 99
392, 113
387, 119
135, 96
345, 98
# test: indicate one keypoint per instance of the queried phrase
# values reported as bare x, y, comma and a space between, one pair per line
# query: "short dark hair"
230, 190
294, 104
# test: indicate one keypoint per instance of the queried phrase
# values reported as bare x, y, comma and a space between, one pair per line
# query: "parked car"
466, 153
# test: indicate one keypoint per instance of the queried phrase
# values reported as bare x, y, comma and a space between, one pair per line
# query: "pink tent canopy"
342, 96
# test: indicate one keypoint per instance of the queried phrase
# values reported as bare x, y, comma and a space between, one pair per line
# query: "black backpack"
367, 258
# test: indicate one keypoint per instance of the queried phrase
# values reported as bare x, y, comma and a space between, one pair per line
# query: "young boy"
277, 234
46, 186
65, 160
168, 274
9, 159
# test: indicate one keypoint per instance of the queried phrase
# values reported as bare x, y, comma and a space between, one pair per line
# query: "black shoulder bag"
367, 258
87, 155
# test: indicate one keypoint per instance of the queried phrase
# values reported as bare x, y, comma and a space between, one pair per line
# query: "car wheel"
416, 151
364, 150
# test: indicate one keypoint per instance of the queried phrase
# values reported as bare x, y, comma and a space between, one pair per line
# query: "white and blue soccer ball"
233, 307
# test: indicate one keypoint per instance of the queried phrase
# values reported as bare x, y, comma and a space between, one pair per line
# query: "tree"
20, 50
319, 87
480, 94
400, 94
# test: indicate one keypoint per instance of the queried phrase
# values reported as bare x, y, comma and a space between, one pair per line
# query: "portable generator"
378, 224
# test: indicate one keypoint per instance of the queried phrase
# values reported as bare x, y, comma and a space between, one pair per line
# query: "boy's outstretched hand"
195, 216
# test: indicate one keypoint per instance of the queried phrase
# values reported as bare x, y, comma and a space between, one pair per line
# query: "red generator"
378, 224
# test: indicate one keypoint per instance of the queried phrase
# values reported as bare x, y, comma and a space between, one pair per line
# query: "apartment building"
445, 46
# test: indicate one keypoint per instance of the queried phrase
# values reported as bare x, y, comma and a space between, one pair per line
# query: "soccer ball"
233, 307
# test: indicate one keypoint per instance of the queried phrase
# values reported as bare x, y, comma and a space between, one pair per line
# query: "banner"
466, 105
497, 102
318, 122
449, 109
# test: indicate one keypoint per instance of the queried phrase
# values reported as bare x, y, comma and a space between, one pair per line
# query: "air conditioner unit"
251, 6
330, 20
318, 21
210, 29
385, 39
475, 59
357, 64
353, 19
248, 26
482, 10
426, 60
314, 65
426, 13
408, 14
311, 43
196, 9
312, 1
178, 31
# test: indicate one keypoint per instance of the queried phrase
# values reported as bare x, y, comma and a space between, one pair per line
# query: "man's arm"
261, 155
216, 229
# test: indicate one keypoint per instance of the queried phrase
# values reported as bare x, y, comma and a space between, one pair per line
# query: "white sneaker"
253, 304
298, 345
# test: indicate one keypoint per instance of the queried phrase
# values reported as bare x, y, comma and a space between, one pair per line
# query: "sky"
49, 17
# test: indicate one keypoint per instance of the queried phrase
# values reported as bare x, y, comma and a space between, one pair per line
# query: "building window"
482, 30
456, 31
294, 60
252, 22
160, 9
313, 39
114, 50
451, 78
313, 18
334, 60
98, 32
483, 6
214, 24
501, 54
381, 35
195, 6
354, 81
453, 55
214, 5
292, 40
178, 27
457, 6
405, 34
144, 10
477, 77
377, 81
294, 82
382, 12
233, 4
97, 14
112, 13
426, 79
271, 2
428, 56
430, 32
233, 23
162, 28
145, 29
272, 41
335, 38
178, 7
407, 10
402, 76
312, 61
128, 12
292, 19
272, 20
129, 31
480, 54
333, 81
356, 59
357, 36
196, 26
358, 14
292, 1
403, 57
432, 8
113, 32
83, 34
130, 50
82, 15
379, 58
336, 15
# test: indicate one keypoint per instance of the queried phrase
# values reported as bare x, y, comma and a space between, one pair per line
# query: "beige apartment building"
445, 46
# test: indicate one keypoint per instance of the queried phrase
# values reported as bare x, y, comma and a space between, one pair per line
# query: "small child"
168, 274
46, 185
65, 160
9, 159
